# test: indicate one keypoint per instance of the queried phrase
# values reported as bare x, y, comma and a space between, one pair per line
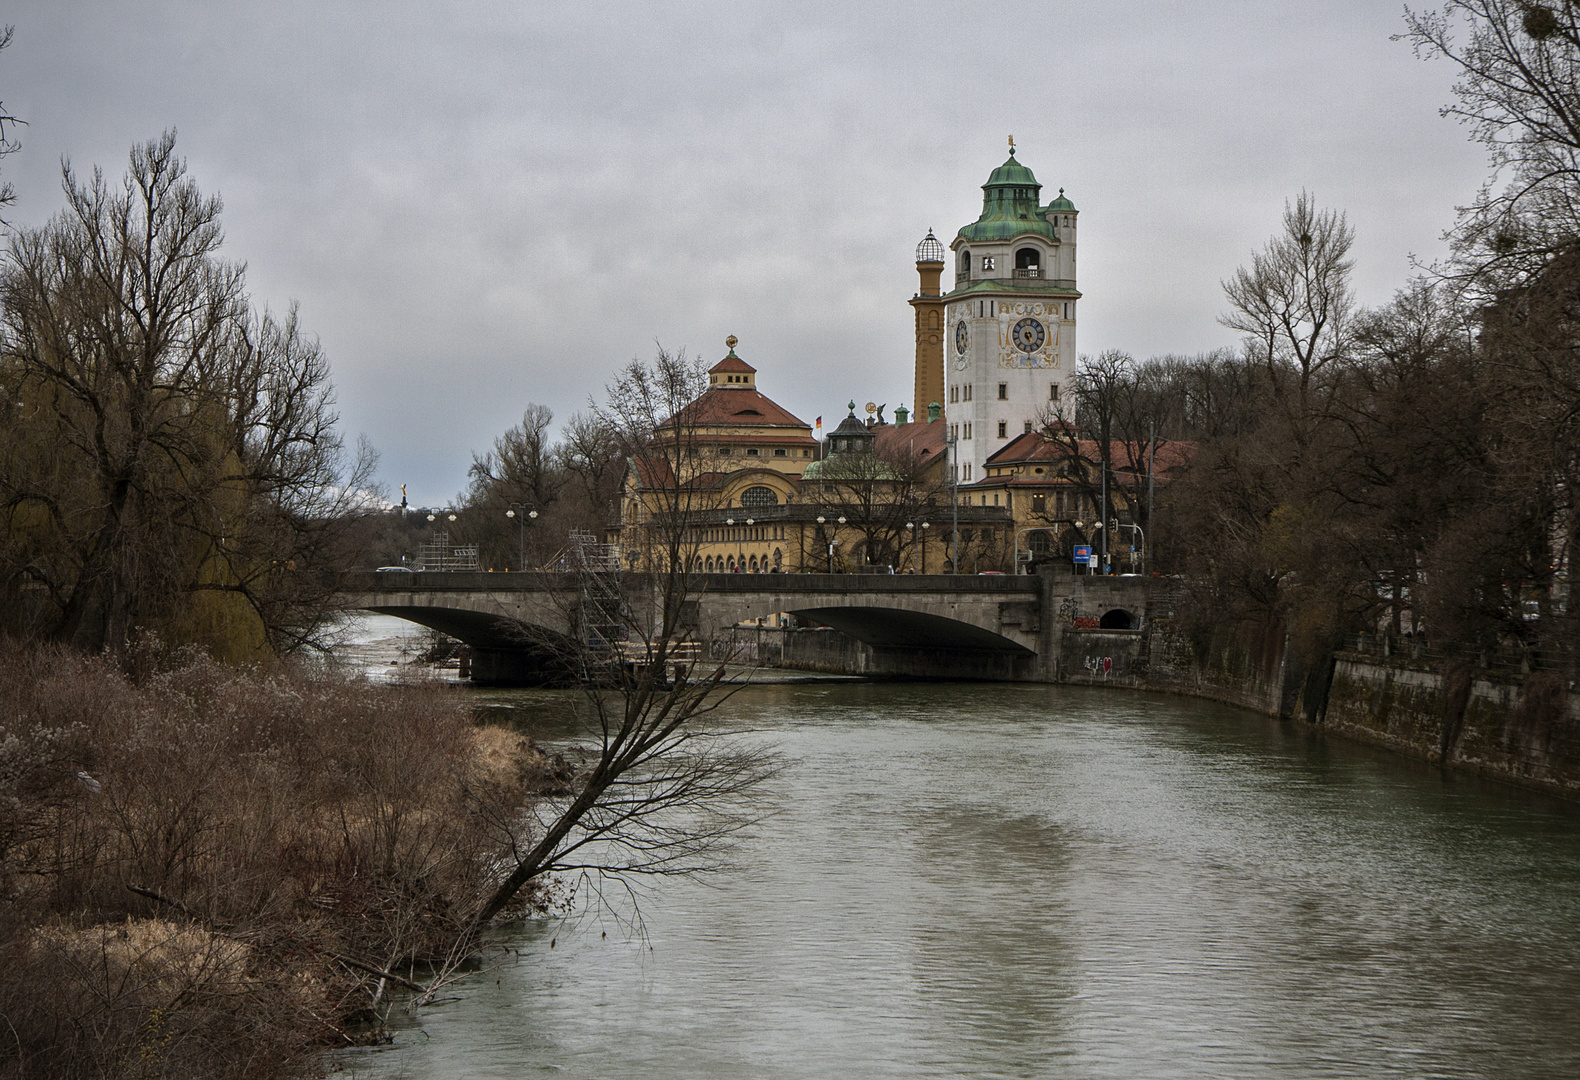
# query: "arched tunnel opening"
1116, 619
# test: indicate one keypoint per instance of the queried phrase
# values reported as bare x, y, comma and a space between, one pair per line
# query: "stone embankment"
1523, 728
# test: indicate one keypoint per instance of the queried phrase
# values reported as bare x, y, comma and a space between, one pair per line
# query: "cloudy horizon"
484, 205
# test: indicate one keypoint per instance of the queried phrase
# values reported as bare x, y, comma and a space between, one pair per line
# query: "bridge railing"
483, 581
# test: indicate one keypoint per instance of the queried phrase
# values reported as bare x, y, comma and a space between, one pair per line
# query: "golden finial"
1012, 146
730, 341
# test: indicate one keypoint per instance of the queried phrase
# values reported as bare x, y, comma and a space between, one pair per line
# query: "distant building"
1009, 327
735, 483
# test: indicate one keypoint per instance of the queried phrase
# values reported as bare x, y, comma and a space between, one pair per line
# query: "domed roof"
1009, 206
1011, 174
1061, 203
851, 426
930, 250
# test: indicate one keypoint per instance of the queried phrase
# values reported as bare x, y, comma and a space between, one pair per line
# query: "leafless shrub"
213, 844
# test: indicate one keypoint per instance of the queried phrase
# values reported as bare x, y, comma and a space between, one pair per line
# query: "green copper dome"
1009, 206
1061, 203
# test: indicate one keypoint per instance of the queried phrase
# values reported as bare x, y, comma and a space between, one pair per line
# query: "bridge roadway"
930, 626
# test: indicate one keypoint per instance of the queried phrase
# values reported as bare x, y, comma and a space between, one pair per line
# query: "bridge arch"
902, 628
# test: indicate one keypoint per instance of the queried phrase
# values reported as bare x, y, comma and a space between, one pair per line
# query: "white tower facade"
1010, 319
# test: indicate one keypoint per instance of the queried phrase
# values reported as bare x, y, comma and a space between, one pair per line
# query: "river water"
1025, 881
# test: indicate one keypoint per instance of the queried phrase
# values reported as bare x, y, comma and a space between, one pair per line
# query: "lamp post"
749, 523
1029, 553
521, 528
1140, 532
829, 536
954, 498
731, 523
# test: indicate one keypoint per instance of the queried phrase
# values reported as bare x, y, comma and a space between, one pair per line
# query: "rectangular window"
968, 392
806, 453
984, 498
1028, 427
724, 451
967, 434
780, 452
995, 498
1003, 391
954, 395
1039, 504
987, 262
1003, 429
968, 470
751, 451
1053, 391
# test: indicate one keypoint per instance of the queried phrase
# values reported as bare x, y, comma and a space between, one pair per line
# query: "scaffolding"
604, 617
436, 554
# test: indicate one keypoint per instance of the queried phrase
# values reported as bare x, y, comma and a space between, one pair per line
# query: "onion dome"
1009, 206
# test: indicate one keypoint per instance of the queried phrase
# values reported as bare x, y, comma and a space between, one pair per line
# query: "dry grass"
277, 825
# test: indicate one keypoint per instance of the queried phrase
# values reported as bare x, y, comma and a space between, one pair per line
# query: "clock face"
1029, 335
962, 336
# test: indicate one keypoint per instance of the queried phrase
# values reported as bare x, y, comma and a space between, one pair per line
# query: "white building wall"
992, 355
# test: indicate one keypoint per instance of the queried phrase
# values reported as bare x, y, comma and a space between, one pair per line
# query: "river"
993, 880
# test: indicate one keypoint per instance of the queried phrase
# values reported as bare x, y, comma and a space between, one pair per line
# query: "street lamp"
521, 528
1142, 534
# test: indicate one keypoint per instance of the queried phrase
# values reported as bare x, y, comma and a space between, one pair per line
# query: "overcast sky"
481, 205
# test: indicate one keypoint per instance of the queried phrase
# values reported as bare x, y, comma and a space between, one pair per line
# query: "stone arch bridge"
923, 626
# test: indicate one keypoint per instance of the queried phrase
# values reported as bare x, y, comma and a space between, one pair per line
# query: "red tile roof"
731, 363
896, 442
738, 407
1032, 447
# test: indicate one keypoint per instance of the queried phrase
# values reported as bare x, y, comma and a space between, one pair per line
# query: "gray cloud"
482, 205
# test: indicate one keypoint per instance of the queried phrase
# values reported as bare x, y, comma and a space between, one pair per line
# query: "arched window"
753, 564
965, 262
1027, 256
759, 496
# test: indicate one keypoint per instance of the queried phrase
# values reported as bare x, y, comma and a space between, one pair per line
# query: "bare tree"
521, 467
8, 141
878, 494
1294, 302
662, 791
170, 458
1519, 92
590, 454
1106, 432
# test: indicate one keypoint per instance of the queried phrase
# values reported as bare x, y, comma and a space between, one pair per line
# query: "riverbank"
1522, 728
213, 871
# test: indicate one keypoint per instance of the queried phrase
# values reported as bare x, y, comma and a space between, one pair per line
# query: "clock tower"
1010, 318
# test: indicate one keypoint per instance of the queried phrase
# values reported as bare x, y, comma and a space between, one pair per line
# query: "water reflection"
1032, 881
